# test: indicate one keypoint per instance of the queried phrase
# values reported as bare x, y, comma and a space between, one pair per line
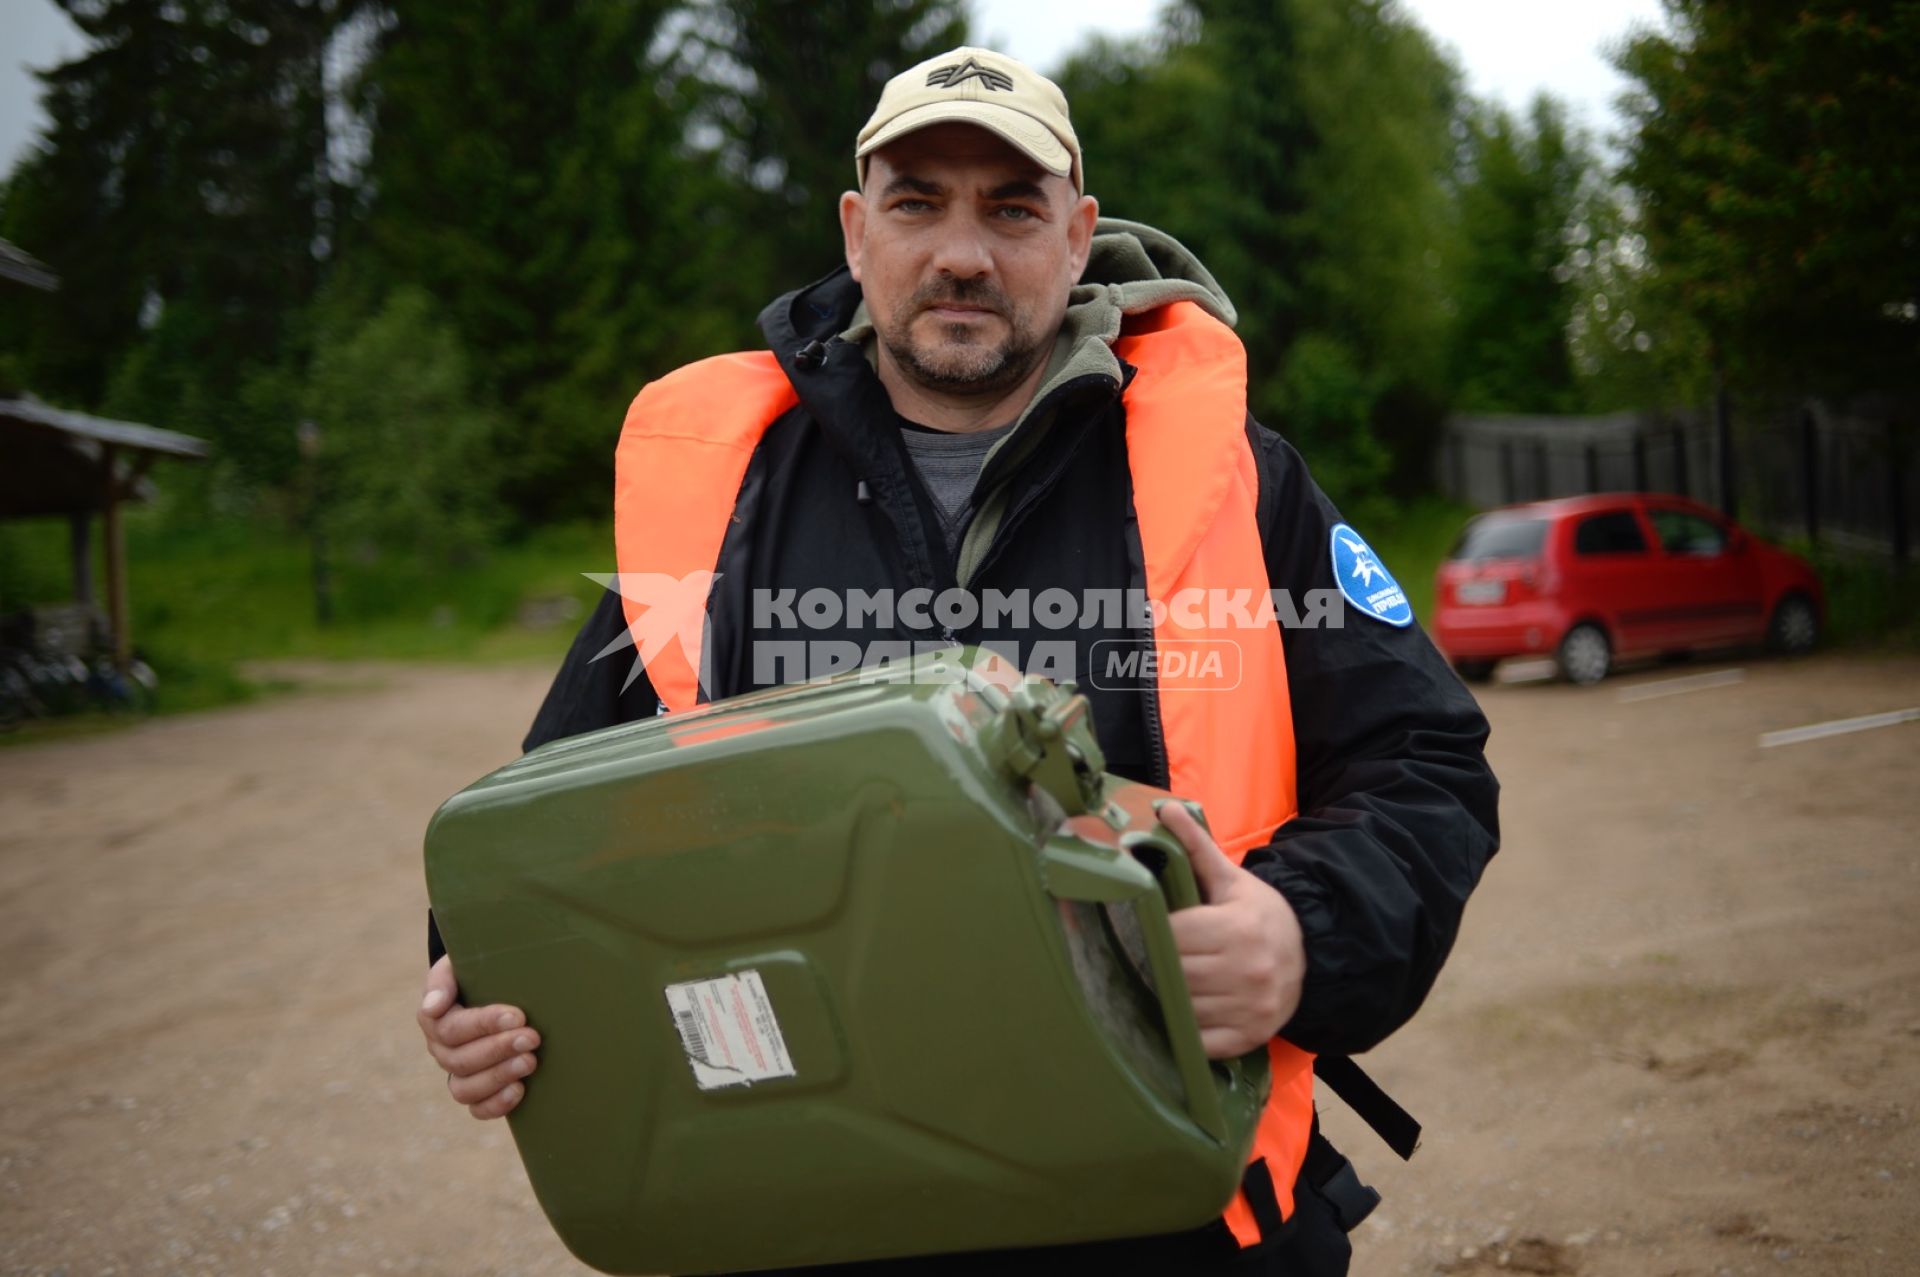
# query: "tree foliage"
525, 172
784, 89
182, 193
269, 210
1514, 288
1301, 148
1775, 152
397, 384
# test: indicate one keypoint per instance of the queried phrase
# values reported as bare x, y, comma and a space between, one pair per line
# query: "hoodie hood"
1141, 268
1131, 268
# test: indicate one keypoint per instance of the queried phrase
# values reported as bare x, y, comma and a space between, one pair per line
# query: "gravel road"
1680, 1033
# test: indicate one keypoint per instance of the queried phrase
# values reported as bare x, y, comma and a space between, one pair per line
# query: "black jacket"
1397, 804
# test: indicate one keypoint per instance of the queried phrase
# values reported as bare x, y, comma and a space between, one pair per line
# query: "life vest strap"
1374, 1106
1256, 1184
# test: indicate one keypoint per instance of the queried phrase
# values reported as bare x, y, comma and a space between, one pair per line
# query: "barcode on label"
692, 1038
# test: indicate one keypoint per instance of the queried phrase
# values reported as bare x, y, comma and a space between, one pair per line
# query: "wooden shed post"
116, 557
80, 548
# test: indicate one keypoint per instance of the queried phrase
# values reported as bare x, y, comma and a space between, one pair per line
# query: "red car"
1593, 579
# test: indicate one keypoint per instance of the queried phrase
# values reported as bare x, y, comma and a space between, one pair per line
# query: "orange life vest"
683, 454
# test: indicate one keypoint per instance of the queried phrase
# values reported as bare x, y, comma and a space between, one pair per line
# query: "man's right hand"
486, 1051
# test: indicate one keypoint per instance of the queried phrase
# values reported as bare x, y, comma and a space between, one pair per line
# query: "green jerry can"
874, 966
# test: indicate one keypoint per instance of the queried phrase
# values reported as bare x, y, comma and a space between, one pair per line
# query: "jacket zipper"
1010, 520
1150, 688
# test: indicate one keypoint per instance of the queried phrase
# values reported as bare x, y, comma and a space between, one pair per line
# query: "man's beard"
963, 362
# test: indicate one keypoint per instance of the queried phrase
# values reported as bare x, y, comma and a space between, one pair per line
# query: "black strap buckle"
1340, 1186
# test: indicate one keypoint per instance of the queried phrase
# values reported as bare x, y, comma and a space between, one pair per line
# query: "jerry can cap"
1043, 734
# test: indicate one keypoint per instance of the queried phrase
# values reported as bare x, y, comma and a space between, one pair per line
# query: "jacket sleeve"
1398, 809
586, 695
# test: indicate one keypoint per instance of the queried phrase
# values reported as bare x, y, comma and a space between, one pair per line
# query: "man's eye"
913, 206
1015, 213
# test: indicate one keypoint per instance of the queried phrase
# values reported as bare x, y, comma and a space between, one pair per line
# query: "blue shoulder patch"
1365, 580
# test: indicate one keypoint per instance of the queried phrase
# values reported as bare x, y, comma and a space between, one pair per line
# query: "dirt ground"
1680, 1033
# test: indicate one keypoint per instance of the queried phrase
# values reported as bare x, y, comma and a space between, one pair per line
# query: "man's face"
965, 250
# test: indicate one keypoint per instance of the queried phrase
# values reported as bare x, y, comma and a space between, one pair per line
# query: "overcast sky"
1510, 48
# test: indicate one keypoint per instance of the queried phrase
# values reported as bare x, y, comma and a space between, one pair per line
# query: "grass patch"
1871, 602
1412, 540
205, 599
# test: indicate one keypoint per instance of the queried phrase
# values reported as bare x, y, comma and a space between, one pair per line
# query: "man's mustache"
961, 292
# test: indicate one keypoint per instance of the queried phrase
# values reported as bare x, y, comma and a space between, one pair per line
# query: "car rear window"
1616, 532
1493, 537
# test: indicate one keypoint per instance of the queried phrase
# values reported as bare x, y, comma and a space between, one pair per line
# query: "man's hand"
1241, 951
484, 1050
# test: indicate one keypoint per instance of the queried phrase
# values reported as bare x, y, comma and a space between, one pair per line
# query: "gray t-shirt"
949, 464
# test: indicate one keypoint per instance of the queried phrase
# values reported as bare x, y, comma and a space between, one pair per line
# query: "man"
1002, 394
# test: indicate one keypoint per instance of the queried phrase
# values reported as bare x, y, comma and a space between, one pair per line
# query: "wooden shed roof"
22, 267
50, 458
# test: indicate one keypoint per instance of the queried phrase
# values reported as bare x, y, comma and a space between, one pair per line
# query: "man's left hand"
1242, 951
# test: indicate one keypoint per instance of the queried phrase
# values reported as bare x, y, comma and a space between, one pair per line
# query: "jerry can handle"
1175, 872
1168, 862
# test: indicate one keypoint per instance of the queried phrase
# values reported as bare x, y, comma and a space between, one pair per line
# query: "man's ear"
853, 227
1080, 223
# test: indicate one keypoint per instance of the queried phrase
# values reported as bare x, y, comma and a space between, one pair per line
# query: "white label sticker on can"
728, 1030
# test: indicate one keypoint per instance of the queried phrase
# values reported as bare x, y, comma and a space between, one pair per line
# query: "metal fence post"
1723, 437
1897, 493
1810, 470
1680, 461
1639, 460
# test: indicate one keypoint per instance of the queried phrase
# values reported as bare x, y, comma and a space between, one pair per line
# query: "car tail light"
1531, 580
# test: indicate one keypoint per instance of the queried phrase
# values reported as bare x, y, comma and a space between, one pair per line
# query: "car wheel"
1585, 655
1474, 671
1795, 627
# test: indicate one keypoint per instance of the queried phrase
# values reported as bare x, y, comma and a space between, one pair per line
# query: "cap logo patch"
954, 76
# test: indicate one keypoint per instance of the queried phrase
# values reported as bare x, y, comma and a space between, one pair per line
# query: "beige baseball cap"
977, 86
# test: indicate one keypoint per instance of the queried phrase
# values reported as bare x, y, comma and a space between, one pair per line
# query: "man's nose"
963, 251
